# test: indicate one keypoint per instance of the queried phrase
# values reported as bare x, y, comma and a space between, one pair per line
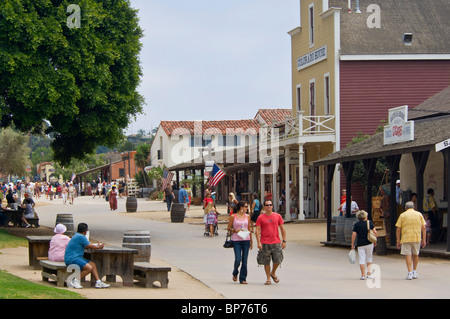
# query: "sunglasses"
268, 205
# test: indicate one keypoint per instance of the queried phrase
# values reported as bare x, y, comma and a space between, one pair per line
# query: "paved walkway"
309, 270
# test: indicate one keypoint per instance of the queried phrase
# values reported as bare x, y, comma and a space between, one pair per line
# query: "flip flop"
275, 279
267, 283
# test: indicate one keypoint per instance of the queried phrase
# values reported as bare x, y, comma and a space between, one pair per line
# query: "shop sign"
399, 129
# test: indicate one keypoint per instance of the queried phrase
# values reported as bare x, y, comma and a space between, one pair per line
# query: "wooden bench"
33, 222
54, 270
147, 274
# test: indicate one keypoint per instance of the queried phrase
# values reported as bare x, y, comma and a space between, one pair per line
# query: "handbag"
228, 242
370, 234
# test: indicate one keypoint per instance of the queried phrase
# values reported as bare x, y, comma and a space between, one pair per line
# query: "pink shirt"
240, 224
58, 247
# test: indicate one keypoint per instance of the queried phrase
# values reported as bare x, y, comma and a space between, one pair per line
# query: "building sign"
399, 128
442, 145
312, 58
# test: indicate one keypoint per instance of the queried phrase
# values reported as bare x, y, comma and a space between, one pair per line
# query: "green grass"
13, 287
10, 241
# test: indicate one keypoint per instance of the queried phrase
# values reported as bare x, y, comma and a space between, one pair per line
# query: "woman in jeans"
240, 222
365, 247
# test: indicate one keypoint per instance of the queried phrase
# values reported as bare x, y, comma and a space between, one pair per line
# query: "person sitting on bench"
74, 256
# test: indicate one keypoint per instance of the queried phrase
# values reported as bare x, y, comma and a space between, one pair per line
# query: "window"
327, 94
311, 25
312, 102
200, 141
299, 97
230, 140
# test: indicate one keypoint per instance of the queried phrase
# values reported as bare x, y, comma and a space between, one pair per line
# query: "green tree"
14, 157
141, 159
82, 80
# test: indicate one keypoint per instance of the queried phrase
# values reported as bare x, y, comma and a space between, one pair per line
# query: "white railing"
297, 127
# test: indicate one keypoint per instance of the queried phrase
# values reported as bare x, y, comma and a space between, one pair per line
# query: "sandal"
275, 279
267, 283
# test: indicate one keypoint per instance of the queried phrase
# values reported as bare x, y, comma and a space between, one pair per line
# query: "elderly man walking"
411, 232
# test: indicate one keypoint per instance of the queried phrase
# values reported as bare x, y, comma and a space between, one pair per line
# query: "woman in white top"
239, 226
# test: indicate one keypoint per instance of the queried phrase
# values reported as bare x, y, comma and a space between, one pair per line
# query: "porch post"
330, 174
393, 162
446, 153
275, 194
369, 166
287, 186
420, 161
348, 172
301, 155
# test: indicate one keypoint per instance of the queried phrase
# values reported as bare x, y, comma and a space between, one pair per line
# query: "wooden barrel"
348, 229
177, 213
66, 220
381, 248
139, 240
131, 204
340, 223
333, 228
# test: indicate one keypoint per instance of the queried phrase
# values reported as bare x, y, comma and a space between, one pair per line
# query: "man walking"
411, 232
268, 238
183, 198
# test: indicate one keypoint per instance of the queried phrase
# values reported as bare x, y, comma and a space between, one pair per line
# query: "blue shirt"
183, 196
75, 248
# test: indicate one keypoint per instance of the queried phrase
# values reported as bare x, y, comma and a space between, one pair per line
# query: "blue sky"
214, 60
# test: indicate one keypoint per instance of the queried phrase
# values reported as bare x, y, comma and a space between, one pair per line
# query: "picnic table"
37, 249
13, 216
112, 261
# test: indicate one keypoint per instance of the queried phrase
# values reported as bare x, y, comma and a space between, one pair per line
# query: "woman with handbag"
239, 226
364, 233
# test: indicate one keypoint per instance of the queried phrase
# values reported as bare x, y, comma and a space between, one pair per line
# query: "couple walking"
267, 236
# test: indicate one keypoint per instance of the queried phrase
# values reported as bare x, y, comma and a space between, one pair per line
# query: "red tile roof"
271, 116
250, 127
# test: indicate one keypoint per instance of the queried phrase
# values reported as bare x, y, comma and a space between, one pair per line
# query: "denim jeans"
241, 249
169, 202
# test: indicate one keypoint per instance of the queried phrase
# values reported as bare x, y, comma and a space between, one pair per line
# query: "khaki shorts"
270, 252
410, 248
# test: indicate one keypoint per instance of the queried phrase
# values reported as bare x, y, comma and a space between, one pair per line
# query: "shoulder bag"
370, 234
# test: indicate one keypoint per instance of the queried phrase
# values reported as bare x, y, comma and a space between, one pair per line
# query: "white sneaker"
409, 276
101, 284
415, 275
76, 284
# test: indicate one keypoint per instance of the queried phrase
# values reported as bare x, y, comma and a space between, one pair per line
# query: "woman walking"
365, 247
113, 198
239, 227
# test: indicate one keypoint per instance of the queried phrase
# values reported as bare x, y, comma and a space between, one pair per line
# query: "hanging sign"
399, 128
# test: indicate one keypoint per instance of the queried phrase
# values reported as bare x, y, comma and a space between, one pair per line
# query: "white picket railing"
299, 126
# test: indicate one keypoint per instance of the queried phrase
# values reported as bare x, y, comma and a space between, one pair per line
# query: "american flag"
217, 174
167, 178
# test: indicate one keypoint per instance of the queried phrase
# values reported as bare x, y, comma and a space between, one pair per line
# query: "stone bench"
54, 270
147, 274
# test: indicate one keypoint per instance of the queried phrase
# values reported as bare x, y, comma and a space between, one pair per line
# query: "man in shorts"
411, 232
74, 256
268, 238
